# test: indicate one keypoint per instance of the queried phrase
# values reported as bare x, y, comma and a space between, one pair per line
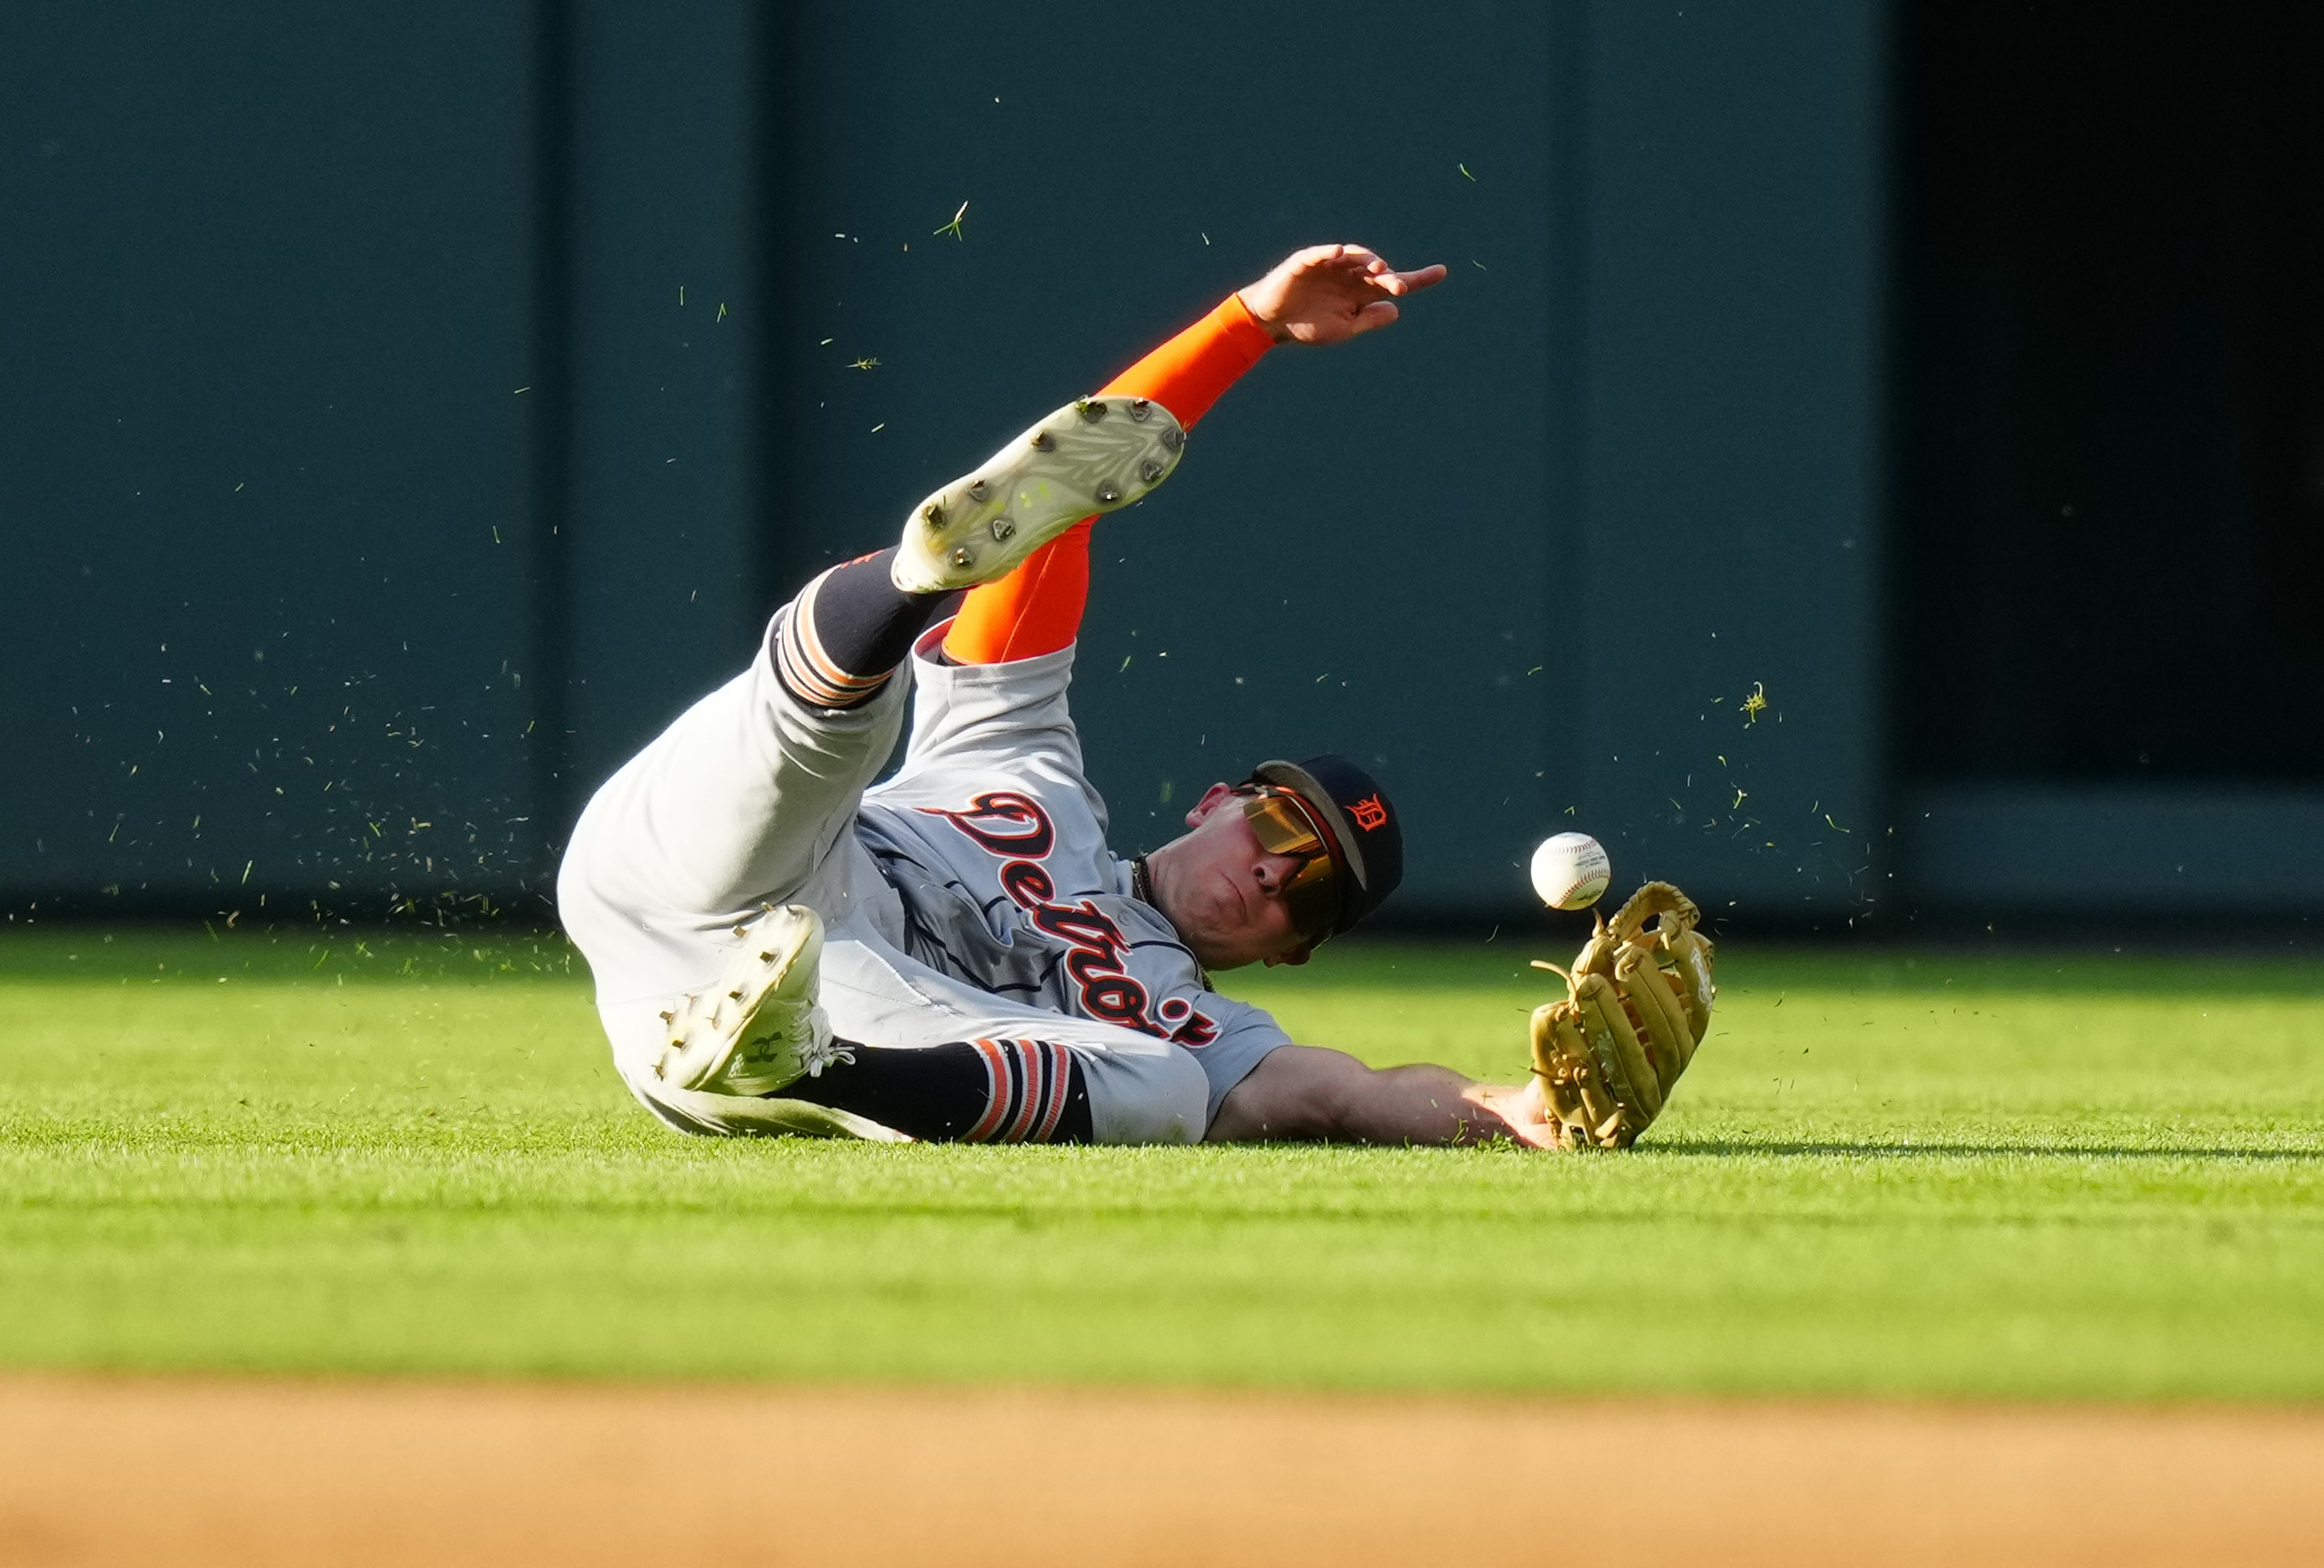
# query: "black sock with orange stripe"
847, 631
966, 1092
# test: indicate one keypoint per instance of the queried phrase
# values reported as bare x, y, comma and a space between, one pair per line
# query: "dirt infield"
200, 1472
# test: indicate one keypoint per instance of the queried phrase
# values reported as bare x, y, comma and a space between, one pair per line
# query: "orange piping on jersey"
1036, 609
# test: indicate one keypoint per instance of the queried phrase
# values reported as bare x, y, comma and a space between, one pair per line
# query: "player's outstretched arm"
1331, 293
1305, 1092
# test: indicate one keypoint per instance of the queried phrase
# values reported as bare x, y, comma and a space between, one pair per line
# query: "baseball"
1570, 870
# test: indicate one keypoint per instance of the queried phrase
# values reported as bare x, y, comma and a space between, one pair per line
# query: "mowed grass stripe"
1956, 1174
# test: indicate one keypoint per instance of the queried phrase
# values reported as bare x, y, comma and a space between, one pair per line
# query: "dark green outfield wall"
270, 276
289, 551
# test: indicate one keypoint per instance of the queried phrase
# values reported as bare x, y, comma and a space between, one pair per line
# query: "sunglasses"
1280, 821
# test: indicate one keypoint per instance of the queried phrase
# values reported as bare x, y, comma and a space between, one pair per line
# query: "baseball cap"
1368, 836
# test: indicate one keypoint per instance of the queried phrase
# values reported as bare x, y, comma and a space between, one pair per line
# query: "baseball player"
779, 945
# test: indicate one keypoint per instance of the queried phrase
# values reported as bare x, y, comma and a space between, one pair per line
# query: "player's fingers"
1364, 268
1379, 313
1372, 269
1312, 258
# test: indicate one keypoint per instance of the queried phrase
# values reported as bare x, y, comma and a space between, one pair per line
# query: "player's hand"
1522, 1112
1330, 293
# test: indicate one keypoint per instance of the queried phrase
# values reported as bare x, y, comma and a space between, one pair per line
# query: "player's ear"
1210, 802
1299, 954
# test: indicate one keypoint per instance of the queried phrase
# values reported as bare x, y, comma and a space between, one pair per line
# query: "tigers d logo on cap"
1351, 806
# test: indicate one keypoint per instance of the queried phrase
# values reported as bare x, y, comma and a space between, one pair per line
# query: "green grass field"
2094, 1176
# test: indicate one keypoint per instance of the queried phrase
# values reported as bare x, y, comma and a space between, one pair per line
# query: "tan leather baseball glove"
1637, 1004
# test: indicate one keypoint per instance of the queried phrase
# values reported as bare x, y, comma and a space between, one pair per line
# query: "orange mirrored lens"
1280, 825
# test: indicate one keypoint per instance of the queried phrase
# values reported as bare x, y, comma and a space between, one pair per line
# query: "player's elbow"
1345, 1091
1306, 1094
1293, 1094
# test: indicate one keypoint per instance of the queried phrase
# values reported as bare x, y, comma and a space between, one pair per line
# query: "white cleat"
1092, 456
759, 1029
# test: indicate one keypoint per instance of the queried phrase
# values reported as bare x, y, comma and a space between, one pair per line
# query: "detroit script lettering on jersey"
1014, 829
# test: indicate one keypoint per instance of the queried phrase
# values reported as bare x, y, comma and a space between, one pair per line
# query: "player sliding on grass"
955, 954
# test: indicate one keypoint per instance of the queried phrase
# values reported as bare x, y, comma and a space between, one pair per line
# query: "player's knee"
1161, 1098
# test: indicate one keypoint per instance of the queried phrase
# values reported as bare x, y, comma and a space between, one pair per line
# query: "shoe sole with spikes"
758, 1030
1094, 455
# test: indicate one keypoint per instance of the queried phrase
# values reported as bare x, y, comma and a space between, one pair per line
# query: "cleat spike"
934, 514
1092, 409
1173, 437
978, 489
961, 556
1150, 470
1141, 408
1044, 442
1002, 529
1109, 494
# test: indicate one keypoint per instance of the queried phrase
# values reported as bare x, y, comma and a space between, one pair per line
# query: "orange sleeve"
1191, 372
1036, 609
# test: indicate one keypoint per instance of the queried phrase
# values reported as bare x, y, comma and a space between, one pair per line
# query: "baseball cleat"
1094, 455
759, 1029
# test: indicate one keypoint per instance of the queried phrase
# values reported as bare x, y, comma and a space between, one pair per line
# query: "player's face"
1222, 890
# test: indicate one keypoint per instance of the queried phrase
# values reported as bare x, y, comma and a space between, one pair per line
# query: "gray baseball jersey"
994, 841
